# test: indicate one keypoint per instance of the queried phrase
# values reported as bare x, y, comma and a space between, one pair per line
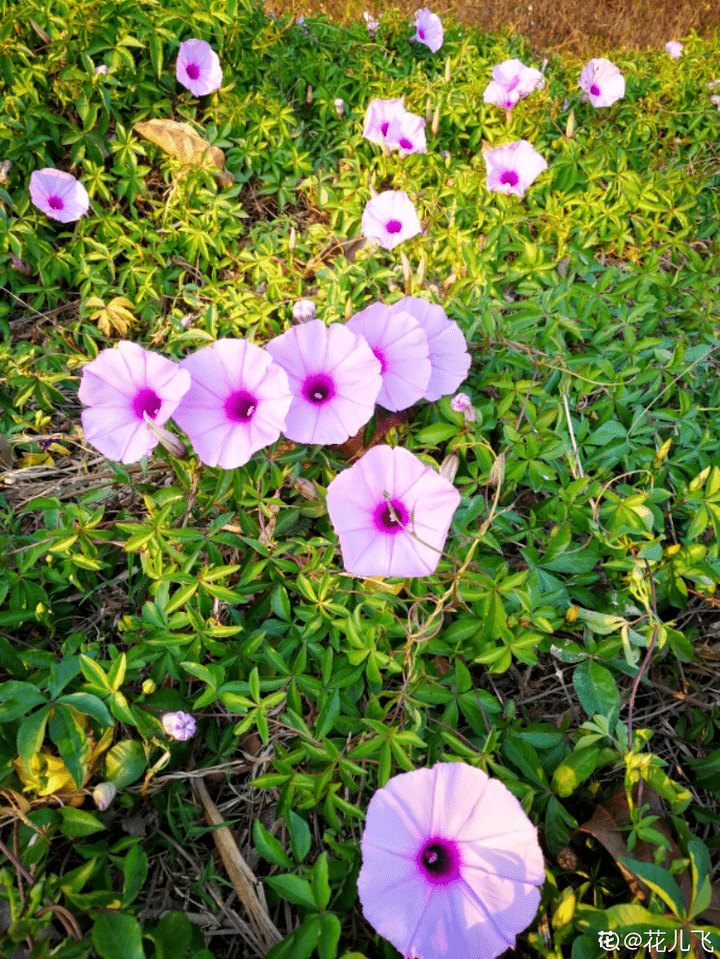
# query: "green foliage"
590, 479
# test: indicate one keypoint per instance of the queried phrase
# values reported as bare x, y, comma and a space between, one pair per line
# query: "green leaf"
596, 690
71, 741
94, 673
125, 763
117, 936
573, 770
171, 936
660, 881
437, 433
330, 929
89, 705
31, 734
269, 846
299, 831
77, 822
135, 870
294, 889
320, 883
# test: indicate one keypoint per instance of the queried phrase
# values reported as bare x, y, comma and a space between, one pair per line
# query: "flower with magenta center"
602, 82
400, 344
499, 95
391, 513
407, 134
390, 218
334, 380
449, 358
512, 168
378, 117
428, 29
458, 859
198, 67
121, 385
58, 194
236, 404
515, 76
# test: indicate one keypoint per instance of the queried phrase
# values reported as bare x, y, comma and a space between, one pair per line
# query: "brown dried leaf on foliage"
115, 318
606, 826
355, 447
181, 141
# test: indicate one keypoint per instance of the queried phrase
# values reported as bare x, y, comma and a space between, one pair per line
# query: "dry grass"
585, 27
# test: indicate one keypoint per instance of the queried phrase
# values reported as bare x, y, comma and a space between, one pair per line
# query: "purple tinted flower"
400, 344
512, 168
407, 134
198, 67
428, 29
456, 857
178, 725
602, 81
460, 402
674, 49
58, 194
381, 500
121, 385
303, 311
334, 379
390, 218
378, 117
102, 69
372, 24
515, 76
498, 94
236, 404
339, 106
449, 358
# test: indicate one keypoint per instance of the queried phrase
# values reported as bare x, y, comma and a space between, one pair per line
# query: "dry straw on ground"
588, 29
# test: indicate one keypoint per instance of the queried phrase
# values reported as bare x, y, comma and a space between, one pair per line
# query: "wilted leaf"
115, 318
181, 141
355, 446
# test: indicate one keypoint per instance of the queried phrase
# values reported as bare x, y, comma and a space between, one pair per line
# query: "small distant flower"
511, 81
429, 29
381, 500
400, 343
198, 67
407, 134
715, 100
178, 725
236, 404
603, 82
451, 864
674, 49
390, 218
461, 403
512, 168
303, 311
339, 106
378, 116
58, 194
102, 69
121, 385
449, 358
372, 24
499, 95
20, 265
713, 84
334, 379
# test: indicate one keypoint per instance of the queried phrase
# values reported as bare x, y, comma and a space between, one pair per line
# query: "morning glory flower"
179, 726
499, 95
406, 134
400, 344
198, 67
674, 49
378, 116
334, 379
603, 82
512, 168
461, 403
236, 404
303, 311
451, 864
58, 194
372, 24
514, 75
118, 388
429, 29
390, 218
378, 503
449, 359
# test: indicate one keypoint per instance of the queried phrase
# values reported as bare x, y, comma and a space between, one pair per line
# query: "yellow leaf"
181, 141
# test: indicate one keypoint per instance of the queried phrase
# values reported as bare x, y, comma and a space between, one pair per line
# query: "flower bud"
303, 311
103, 795
148, 687
449, 467
436, 120
339, 106
172, 444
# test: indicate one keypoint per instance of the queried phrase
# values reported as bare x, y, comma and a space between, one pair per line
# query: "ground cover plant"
229, 660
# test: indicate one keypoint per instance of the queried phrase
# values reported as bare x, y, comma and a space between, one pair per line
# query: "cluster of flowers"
453, 850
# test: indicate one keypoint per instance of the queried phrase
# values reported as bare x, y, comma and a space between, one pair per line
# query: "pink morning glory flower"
451, 864
390, 218
512, 168
121, 385
400, 344
381, 500
334, 379
674, 49
514, 75
449, 359
428, 29
236, 404
372, 24
378, 117
602, 82
303, 311
179, 726
499, 95
198, 67
407, 134
58, 194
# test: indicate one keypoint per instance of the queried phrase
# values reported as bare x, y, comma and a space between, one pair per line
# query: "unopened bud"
407, 273
699, 480
309, 94
303, 311
436, 120
348, 309
447, 70
148, 687
449, 467
497, 471
571, 614
306, 489
292, 242
428, 112
339, 106
570, 125
421, 270
662, 453
172, 444
461, 403
103, 795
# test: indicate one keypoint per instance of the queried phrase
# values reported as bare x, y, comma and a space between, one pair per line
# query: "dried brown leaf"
181, 141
